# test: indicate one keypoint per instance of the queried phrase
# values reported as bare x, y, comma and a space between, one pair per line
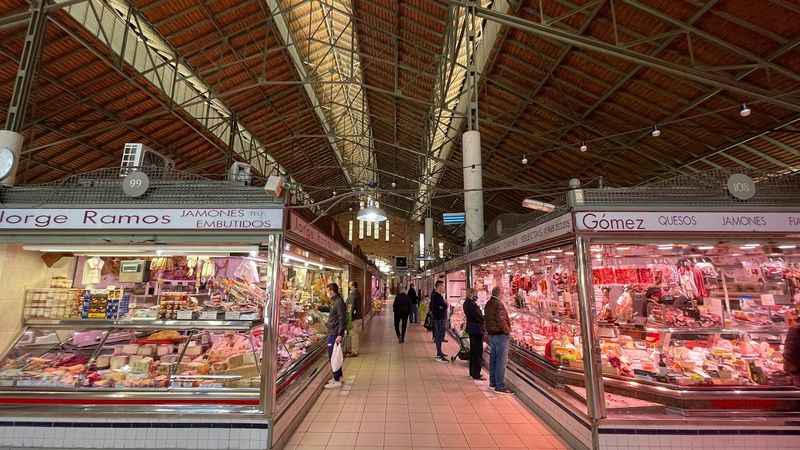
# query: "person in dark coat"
412, 294
401, 308
475, 329
439, 316
791, 352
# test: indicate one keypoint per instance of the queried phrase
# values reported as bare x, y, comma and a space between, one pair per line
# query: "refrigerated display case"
635, 321
172, 317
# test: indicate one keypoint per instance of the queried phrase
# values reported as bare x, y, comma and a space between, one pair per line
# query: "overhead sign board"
240, 219
309, 232
540, 233
453, 218
743, 222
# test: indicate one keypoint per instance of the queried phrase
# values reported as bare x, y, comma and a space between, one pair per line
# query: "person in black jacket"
412, 294
475, 329
439, 318
401, 308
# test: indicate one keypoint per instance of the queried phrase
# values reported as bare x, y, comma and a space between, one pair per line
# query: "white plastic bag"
337, 357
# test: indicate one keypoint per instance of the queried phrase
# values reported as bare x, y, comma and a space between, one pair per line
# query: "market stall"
649, 321
163, 317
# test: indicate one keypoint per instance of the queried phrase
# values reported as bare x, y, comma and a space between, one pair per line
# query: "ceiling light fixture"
656, 132
787, 247
524, 160
584, 147
371, 213
394, 185
744, 111
537, 205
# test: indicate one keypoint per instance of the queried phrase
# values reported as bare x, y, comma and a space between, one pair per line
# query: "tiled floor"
397, 397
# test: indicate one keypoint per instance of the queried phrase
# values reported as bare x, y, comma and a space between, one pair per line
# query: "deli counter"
205, 324
674, 330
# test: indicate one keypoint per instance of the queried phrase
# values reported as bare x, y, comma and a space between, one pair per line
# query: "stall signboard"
454, 264
131, 219
742, 222
312, 234
540, 233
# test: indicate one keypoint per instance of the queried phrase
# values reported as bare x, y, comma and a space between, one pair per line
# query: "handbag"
428, 322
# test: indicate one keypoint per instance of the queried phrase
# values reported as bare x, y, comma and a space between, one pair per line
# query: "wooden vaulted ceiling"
539, 98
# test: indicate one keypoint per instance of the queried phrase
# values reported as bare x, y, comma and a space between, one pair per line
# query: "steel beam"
28, 65
612, 50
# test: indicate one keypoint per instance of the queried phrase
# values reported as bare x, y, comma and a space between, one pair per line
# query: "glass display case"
172, 319
304, 305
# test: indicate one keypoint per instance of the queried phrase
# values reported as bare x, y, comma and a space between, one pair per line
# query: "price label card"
208, 315
233, 315
184, 315
767, 300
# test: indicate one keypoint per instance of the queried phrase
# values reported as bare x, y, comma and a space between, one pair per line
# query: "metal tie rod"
629, 55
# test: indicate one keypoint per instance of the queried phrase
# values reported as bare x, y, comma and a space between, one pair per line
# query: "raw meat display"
679, 320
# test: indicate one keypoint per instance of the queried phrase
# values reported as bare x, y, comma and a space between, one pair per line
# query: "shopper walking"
475, 329
498, 327
439, 317
412, 294
336, 327
401, 308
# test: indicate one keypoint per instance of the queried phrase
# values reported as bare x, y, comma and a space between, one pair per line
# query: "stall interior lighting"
144, 250
787, 247
308, 262
622, 249
665, 247
596, 249
706, 247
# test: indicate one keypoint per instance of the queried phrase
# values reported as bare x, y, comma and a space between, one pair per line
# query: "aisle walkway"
397, 397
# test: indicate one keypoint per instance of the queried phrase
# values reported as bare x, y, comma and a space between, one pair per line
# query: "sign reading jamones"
745, 222
240, 219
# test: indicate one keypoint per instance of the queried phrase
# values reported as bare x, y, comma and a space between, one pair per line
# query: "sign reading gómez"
630, 221
239, 219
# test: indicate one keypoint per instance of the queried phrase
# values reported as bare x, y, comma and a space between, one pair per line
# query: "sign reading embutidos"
252, 219
687, 221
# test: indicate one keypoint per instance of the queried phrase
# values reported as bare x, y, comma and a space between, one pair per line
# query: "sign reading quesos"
249, 219
687, 221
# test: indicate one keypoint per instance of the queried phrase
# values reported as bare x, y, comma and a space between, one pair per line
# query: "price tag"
184, 315
767, 300
208, 315
233, 315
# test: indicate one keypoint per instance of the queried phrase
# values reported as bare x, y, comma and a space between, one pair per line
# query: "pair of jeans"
498, 358
398, 329
414, 313
331, 341
438, 335
475, 354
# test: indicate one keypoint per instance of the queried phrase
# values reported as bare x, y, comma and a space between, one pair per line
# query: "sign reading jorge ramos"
240, 219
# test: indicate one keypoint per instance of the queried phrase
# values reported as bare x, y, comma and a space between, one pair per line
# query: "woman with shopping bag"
336, 327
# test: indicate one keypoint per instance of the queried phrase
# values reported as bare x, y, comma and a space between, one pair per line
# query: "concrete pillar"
12, 141
429, 250
473, 185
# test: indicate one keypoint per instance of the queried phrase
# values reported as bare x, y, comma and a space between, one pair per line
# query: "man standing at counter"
336, 327
439, 318
498, 327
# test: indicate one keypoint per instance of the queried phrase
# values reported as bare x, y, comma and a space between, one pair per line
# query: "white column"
429, 250
12, 141
473, 185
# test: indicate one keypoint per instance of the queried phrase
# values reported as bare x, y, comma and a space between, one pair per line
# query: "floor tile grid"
397, 397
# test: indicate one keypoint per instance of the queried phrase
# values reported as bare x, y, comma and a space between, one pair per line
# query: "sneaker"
442, 359
333, 385
504, 390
